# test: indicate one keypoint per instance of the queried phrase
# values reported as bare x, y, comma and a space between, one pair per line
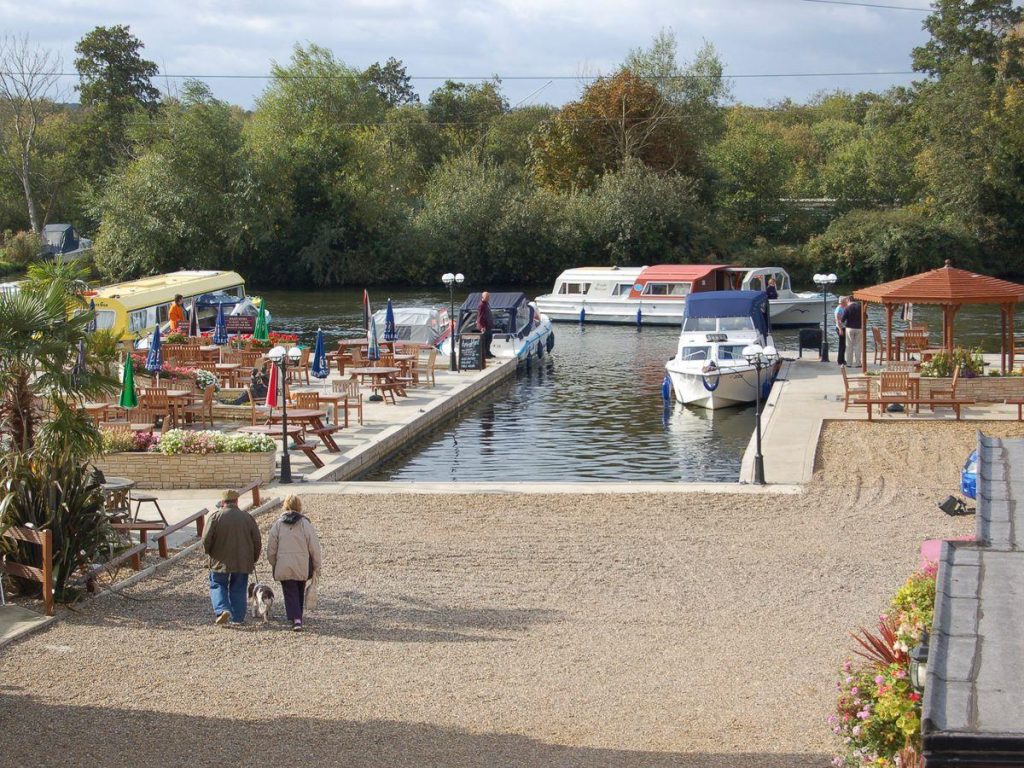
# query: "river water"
590, 411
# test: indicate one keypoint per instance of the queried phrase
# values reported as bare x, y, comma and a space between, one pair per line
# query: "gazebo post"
889, 310
863, 336
1009, 334
1002, 338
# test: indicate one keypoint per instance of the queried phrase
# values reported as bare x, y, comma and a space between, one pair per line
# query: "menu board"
240, 323
471, 357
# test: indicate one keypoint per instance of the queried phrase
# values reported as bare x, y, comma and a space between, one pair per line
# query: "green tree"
175, 206
391, 82
115, 83
463, 112
977, 30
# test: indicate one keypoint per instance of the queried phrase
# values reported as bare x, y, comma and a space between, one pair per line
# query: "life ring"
711, 382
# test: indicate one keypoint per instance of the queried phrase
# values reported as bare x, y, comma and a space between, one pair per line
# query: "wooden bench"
141, 527
326, 435
310, 450
199, 518
42, 574
955, 404
1019, 402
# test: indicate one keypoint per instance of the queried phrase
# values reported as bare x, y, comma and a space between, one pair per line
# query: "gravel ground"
510, 630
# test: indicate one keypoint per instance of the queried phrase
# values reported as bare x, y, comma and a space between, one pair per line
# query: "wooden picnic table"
380, 377
117, 495
334, 399
313, 421
210, 353
227, 373
955, 403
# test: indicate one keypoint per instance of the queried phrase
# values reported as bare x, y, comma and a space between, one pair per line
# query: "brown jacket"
232, 540
292, 546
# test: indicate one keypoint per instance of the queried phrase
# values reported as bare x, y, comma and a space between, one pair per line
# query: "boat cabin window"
694, 353
735, 323
574, 288
105, 319
622, 289
730, 352
667, 289
756, 283
699, 324
137, 321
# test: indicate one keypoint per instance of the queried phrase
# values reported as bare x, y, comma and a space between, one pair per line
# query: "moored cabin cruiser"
710, 368
421, 325
656, 295
520, 331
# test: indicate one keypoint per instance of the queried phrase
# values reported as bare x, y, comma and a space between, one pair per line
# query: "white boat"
422, 325
709, 368
656, 295
520, 331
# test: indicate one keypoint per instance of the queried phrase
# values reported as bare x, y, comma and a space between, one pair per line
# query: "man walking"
233, 542
854, 333
485, 322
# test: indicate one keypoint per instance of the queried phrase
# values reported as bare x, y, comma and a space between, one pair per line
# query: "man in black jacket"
485, 322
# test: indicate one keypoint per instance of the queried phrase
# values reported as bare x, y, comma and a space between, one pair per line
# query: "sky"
542, 49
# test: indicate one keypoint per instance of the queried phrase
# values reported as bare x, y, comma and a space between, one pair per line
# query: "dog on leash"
261, 600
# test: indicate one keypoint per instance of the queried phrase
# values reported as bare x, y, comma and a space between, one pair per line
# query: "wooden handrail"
44, 574
134, 554
199, 518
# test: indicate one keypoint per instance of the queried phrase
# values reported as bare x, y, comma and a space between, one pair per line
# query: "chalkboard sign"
240, 323
471, 356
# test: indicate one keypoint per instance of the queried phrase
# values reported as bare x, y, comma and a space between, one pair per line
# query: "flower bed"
878, 713
183, 459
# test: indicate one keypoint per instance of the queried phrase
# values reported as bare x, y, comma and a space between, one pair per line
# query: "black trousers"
294, 598
487, 336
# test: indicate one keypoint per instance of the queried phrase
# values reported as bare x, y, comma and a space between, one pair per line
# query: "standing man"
854, 333
233, 542
840, 310
177, 314
485, 322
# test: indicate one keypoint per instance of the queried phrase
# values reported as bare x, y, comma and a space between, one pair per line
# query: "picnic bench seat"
310, 450
1019, 402
955, 403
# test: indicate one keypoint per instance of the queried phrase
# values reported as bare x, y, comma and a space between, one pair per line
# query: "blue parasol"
92, 323
373, 350
390, 331
319, 368
155, 358
220, 331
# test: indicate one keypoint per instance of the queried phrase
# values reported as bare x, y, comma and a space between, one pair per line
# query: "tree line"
342, 176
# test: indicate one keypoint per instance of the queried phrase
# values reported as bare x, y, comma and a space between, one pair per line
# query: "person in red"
177, 315
485, 322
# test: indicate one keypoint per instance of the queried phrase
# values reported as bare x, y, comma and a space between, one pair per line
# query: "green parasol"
260, 332
128, 397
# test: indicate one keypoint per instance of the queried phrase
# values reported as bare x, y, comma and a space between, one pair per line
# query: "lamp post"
451, 280
824, 281
759, 357
280, 358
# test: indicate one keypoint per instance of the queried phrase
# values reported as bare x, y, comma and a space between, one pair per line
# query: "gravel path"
510, 630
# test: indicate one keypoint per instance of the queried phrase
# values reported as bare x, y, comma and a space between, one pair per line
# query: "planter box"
212, 470
983, 389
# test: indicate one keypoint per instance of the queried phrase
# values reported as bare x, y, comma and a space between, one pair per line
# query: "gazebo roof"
945, 285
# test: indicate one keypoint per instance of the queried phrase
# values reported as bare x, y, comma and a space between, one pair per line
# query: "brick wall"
214, 470
984, 389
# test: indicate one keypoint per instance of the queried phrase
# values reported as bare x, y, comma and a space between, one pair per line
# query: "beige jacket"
291, 545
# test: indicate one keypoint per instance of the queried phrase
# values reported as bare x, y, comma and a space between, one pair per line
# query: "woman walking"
293, 550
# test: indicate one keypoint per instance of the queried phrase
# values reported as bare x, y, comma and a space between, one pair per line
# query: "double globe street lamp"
451, 280
279, 357
761, 358
824, 282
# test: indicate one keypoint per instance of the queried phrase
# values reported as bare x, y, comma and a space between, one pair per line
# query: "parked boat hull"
802, 311
737, 386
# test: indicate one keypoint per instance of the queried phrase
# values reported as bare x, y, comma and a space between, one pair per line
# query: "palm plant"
40, 341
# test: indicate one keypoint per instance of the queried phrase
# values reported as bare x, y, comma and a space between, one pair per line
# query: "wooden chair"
428, 367
944, 393
358, 358
249, 359
300, 369
154, 404
257, 411
854, 387
204, 409
309, 400
893, 384
881, 352
914, 342
353, 397
387, 360
901, 366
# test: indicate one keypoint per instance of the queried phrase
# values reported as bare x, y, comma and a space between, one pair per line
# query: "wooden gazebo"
949, 288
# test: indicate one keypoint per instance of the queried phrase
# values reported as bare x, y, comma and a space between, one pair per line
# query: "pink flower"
879, 679
856, 730
901, 673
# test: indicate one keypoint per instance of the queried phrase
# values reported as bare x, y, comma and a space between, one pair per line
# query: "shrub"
874, 246
205, 379
178, 441
969, 361
176, 338
23, 248
118, 440
8, 268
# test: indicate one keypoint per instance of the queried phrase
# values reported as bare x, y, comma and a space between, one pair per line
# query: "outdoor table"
178, 399
334, 399
227, 373
210, 353
95, 411
274, 431
378, 374
311, 419
117, 495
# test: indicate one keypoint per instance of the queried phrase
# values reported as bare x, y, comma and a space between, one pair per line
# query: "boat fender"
550, 344
710, 376
639, 317
666, 389
583, 315
540, 349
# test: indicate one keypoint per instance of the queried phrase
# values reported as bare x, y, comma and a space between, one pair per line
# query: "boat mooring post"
824, 281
